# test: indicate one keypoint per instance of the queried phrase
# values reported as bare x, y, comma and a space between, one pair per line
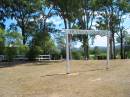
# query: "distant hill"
102, 48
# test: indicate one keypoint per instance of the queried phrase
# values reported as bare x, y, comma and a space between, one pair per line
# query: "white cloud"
100, 41
56, 20
128, 30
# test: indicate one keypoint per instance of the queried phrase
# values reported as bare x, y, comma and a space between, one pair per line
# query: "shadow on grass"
98, 69
72, 73
44, 63
49, 75
27, 63
11, 64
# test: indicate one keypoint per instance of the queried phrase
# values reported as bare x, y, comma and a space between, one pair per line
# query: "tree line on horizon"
35, 38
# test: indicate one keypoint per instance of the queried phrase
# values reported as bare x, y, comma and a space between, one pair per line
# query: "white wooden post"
108, 47
67, 55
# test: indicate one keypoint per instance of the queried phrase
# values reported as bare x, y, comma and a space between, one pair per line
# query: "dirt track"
48, 79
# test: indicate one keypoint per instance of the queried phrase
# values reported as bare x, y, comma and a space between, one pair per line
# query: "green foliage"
10, 53
2, 48
102, 56
56, 54
49, 46
112, 12
128, 54
77, 55
24, 12
2, 40
14, 39
96, 51
22, 50
42, 44
61, 45
67, 9
31, 16
34, 52
2, 35
92, 57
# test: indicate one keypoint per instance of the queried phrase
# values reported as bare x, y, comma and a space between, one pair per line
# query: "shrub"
92, 57
22, 50
76, 55
10, 53
55, 55
102, 56
2, 48
34, 52
128, 54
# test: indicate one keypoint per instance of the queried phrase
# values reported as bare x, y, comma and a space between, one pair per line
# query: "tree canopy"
33, 29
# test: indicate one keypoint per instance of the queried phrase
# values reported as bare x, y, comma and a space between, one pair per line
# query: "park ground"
48, 79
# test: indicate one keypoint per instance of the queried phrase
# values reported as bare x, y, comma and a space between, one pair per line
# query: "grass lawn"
48, 79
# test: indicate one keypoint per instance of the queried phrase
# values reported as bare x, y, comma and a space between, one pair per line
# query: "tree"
68, 10
4, 12
41, 44
123, 9
89, 7
77, 10
24, 11
111, 12
13, 37
126, 46
61, 45
124, 43
2, 40
96, 51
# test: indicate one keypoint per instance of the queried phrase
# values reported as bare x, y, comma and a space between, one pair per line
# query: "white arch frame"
89, 32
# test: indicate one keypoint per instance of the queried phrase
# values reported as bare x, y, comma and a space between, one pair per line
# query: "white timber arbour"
84, 32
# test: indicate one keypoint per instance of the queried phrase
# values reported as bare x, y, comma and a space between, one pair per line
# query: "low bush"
34, 52
10, 53
76, 55
101, 56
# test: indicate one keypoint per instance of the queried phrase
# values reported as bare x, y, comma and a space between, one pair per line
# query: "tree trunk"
85, 47
24, 37
114, 52
111, 52
121, 52
121, 46
124, 51
85, 42
23, 32
65, 24
87, 51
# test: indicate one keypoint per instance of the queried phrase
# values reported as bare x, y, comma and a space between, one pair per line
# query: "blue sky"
99, 41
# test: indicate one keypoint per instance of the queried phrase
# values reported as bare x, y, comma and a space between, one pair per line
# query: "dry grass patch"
48, 79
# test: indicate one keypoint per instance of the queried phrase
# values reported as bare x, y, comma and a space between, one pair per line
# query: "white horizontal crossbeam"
89, 32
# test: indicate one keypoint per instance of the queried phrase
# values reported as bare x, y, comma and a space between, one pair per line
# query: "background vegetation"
31, 34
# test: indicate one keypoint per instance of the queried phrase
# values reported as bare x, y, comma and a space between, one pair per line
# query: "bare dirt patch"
49, 79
